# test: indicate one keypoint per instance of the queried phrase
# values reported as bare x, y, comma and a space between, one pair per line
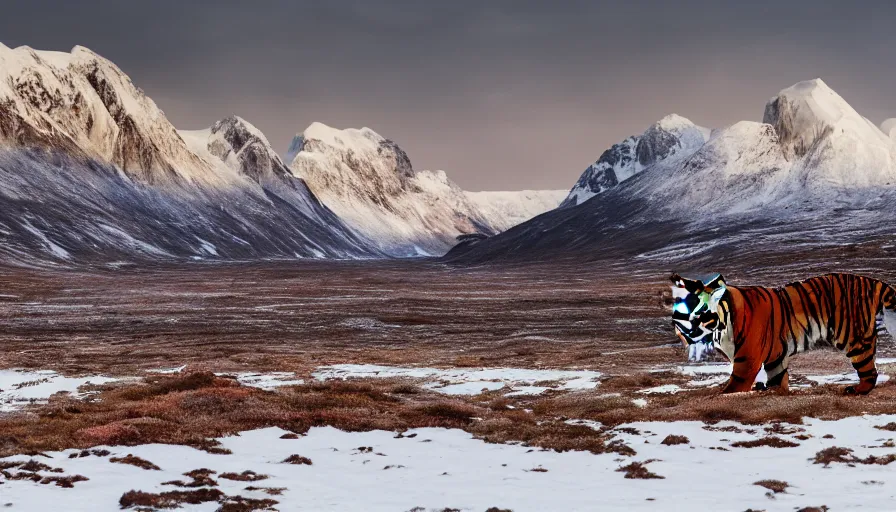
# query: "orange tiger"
756, 326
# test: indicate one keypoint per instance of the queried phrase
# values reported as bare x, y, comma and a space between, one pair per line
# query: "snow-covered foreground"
438, 468
19, 388
471, 381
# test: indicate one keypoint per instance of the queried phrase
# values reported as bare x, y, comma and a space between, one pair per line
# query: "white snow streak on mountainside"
370, 183
503, 210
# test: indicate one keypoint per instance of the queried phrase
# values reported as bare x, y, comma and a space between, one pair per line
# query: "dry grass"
845, 456
672, 440
775, 486
272, 491
245, 476
241, 504
88, 453
135, 461
199, 478
64, 481
171, 499
297, 459
638, 470
771, 441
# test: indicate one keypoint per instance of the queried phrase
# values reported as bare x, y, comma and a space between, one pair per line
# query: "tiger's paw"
857, 390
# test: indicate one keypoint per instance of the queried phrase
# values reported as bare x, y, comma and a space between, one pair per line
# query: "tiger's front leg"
743, 375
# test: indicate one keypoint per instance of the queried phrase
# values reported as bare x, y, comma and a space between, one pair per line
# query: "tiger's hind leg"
778, 376
862, 357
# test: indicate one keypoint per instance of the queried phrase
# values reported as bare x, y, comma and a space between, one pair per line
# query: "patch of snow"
466, 381
663, 389
711, 374
19, 388
639, 402
844, 378
168, 371
595, 425
267, 381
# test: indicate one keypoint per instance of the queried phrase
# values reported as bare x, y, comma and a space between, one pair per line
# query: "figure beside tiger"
756, 326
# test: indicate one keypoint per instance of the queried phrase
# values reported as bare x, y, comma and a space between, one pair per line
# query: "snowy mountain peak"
809, 111
82, 104
240, 147
832, 143
671, 136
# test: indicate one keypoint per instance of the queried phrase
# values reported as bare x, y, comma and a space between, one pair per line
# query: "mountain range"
813, 172
92, 170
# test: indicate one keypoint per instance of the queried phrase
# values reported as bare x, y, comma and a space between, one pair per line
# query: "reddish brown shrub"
672, 440
109, 434
775, 486
245, 476
297, 459
772, 441
638, 470
171, 499
135, 461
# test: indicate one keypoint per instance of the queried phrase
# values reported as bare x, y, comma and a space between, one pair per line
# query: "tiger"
758, 327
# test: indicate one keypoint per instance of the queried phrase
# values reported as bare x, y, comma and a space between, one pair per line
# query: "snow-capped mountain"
90, 168
369, 182
671, 137
828, 141
814, 169
84, 105
503, 210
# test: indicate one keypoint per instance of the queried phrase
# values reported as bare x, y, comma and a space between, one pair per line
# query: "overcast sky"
500, 94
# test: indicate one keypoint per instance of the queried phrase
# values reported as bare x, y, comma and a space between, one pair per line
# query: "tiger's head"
694, 307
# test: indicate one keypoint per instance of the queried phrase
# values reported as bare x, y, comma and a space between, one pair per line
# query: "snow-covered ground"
438, 468
471, 381
19, 388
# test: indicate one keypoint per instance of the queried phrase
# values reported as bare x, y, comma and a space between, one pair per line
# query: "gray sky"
500, 94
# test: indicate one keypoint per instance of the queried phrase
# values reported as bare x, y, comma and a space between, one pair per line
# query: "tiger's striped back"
767, 326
